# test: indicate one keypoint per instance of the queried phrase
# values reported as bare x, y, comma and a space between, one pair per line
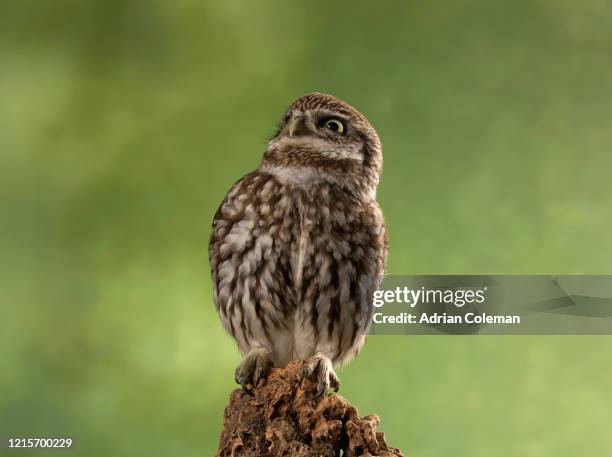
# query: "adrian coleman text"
443, 318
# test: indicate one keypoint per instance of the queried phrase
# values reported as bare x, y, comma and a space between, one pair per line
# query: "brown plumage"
299, 245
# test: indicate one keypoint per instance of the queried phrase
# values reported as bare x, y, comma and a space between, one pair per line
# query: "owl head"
320, 137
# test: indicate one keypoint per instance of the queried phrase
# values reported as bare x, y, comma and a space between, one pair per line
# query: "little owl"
299, 245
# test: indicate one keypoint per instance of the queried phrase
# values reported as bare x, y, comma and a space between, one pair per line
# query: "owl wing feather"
249, 274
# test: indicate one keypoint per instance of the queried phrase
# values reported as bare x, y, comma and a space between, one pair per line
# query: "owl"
299, 245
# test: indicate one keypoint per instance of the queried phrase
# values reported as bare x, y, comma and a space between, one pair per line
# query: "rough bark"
281, 418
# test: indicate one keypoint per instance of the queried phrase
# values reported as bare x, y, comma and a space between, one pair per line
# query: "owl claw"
320, 367
253, 369
304, 372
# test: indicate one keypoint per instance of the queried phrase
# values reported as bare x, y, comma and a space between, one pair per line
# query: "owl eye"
335, 125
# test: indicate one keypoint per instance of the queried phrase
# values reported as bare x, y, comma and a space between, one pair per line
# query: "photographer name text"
458, 297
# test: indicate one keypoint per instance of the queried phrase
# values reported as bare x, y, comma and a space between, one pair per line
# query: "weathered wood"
280, 418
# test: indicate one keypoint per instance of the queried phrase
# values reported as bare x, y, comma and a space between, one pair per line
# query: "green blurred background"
123, 124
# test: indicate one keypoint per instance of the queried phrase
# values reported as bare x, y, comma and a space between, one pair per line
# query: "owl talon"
239, 379
260, 373
322, 388
252, 370
304, 372
320, 367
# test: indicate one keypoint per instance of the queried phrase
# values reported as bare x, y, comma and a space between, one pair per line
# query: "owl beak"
296, 126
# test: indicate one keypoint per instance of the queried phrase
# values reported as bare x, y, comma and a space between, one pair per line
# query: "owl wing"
229, 212
249, 277
372, 265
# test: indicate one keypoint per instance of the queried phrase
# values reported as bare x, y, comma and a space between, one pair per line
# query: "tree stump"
281, 418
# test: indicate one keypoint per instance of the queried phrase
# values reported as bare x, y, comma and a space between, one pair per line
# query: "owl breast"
294, 267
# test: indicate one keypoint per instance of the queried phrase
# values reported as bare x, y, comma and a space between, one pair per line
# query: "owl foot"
320, 368
252, 369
